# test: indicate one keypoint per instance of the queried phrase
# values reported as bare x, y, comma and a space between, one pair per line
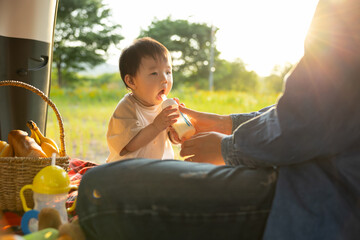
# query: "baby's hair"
131, 56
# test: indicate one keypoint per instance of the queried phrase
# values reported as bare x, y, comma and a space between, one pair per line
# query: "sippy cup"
183, 126
50, 189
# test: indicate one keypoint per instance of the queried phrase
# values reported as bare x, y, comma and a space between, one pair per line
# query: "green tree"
275, 81
234, 76
83, 35
189, 45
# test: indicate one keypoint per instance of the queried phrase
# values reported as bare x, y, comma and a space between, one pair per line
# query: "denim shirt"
315, 199
312, 134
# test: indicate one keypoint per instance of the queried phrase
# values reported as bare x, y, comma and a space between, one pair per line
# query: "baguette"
23, 145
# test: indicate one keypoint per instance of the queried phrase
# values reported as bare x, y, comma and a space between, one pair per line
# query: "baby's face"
153, 79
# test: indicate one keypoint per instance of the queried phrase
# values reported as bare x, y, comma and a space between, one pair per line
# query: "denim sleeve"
238, 119
314, 118
264, 127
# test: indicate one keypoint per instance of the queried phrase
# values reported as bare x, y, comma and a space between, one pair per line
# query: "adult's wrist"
223, 124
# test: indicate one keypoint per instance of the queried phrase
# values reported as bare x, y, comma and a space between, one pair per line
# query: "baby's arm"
163, 120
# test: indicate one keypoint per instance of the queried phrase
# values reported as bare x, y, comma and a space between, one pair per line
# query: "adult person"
307, 145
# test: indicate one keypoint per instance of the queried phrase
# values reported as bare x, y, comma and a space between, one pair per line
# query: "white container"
183, 126
56, 201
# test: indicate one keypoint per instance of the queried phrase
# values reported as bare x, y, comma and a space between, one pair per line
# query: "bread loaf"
23, 145
6, 149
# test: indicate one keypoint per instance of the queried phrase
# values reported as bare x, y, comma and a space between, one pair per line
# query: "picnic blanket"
77, 168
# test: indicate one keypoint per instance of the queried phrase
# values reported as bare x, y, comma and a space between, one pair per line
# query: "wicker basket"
15, 172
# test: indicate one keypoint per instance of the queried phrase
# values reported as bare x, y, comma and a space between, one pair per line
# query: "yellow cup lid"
51, 180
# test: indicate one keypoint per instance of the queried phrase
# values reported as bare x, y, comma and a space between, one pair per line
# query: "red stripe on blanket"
77, 168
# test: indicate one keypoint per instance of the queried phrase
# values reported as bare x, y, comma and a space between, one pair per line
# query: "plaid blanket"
77, 169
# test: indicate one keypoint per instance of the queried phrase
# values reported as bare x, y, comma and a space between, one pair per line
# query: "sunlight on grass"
86, 112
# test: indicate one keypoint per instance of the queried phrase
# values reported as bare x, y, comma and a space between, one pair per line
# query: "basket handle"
48, 101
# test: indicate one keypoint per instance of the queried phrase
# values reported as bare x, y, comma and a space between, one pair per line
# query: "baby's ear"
129, 80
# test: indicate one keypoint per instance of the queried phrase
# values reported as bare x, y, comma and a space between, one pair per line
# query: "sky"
262, 33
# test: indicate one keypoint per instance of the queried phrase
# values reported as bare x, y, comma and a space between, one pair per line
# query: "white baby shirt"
129, 117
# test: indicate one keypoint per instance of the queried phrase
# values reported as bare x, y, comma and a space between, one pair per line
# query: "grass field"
86, 112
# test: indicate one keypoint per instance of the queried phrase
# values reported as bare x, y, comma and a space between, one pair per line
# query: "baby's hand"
174, 137
165, 118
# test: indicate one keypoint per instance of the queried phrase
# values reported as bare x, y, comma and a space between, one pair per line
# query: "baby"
139, 128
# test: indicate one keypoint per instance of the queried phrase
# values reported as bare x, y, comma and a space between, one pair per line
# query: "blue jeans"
171, 199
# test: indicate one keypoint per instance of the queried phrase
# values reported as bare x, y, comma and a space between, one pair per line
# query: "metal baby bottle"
50, 190
183, 126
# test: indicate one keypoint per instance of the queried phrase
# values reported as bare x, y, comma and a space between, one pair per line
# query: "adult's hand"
203, 147
208, 122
